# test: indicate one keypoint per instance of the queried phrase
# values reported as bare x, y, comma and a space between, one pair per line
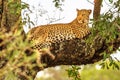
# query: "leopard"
55, 33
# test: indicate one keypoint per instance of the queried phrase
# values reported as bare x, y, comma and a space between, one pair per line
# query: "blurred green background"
87, 72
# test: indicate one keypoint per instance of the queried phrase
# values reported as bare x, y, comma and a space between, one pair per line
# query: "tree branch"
77, 52
97, 9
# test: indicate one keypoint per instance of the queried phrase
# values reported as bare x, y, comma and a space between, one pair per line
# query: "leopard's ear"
89, 11
77, 10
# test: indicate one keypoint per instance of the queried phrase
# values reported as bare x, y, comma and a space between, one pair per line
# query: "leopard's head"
83, 15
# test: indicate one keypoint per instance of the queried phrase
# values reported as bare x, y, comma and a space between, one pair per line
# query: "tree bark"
97, 9
79, 51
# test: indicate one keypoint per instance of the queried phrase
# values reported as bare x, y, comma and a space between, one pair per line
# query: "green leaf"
116, 66
111, 1
119, 49
111, 63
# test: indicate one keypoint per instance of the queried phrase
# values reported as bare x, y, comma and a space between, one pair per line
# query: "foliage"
58, 3
14, 6
16, 56
26, 21
73, 72
93, 73
108, 23
107, 27
109, 63
111, 1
